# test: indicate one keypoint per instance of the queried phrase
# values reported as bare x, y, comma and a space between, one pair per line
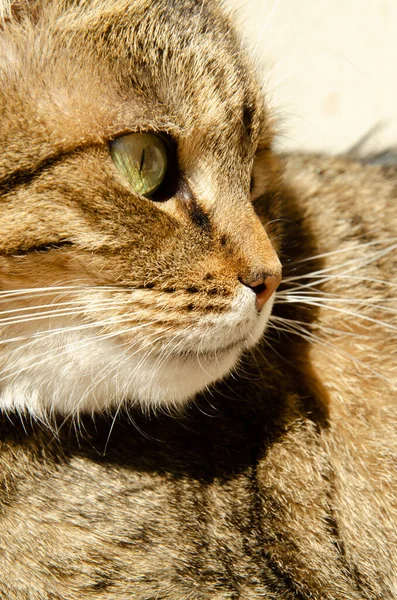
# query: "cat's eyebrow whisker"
275, 221
277, 84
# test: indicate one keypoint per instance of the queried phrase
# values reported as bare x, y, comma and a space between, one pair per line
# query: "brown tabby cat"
141, 209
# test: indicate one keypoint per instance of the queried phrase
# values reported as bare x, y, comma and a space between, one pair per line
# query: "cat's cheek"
83, 371
177, 380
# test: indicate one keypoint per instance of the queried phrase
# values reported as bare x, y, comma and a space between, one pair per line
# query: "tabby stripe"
24, 176
40, 248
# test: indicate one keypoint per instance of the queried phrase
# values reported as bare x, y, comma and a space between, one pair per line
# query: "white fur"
82, 371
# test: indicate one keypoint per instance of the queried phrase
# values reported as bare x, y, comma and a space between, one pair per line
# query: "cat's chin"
184, 376
99, 375
149, 381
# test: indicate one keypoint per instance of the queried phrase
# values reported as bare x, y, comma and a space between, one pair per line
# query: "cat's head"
133, 266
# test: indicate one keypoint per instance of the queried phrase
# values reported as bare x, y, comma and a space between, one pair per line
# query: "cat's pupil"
142, 159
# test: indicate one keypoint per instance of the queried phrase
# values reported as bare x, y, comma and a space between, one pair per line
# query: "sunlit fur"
276, 482
149, 304
59, 364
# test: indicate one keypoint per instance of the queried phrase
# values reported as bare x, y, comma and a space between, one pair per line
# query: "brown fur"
279, 482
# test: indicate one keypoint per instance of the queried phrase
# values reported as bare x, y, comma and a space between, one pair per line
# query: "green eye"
142, 159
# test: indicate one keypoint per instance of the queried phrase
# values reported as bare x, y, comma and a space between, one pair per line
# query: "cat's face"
147, 298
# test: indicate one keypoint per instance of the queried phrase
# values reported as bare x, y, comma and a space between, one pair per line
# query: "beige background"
329, 66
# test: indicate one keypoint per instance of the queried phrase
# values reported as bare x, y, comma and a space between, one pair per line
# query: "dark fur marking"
248, 117
357, 220
214, 308
192, 289
102, 584
24, 176
331, 522
169, 290
190, 306
223, 241
40, 248
198, 216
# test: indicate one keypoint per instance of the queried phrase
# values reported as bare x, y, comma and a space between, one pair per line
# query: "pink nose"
264, 288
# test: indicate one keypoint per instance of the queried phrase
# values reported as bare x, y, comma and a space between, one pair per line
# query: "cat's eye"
143, 160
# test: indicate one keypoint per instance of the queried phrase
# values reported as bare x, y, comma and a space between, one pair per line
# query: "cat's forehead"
181, 62
121, 65
182, 53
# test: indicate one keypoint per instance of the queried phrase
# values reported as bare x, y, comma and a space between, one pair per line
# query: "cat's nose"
263, 287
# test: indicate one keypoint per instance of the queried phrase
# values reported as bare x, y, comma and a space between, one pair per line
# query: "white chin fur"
81, 373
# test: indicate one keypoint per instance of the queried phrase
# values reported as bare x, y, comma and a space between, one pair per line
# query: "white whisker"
311, 337
356, 315
319, 279
312, 300
345, 250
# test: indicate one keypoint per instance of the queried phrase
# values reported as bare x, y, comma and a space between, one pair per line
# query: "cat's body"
279, 482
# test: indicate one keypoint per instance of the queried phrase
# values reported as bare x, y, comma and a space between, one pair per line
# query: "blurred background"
329, 68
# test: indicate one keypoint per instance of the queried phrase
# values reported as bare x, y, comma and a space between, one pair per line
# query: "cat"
175, 422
